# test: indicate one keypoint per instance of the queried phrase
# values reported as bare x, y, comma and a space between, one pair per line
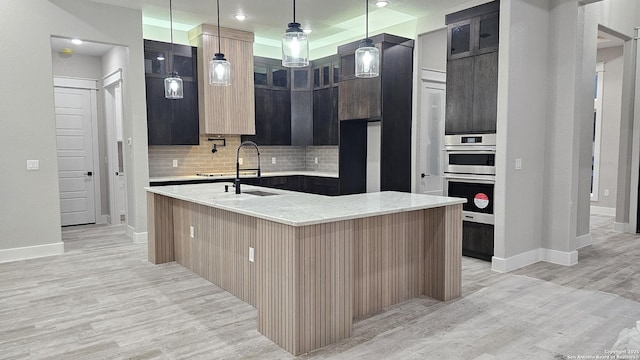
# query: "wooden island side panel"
219, 250
304, 284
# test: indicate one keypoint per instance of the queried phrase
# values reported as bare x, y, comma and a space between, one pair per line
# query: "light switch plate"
315, 160
175, 163
33, 164
273, 160
251, 253
192, 232
240, 161
518, 164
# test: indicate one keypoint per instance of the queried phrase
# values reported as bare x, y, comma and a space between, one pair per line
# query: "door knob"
423, 175
89, 173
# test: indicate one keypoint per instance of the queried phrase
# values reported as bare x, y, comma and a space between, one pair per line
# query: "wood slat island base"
309, 282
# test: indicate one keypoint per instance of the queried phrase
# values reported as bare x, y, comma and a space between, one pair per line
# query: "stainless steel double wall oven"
469, 172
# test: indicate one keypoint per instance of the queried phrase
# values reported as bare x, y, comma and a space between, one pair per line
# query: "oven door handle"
477, 217
480, 179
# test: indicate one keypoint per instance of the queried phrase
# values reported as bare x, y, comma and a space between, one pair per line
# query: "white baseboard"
140, 237
129, 231
620, 227
31, 252
582, 241
600, 210
104, 219
533, 256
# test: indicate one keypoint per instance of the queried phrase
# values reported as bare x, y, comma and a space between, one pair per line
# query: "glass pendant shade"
219, 71
367, 60
173, 88
295, 47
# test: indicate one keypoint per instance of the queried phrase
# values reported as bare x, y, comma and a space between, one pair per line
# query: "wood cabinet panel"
360, 99
485, 93
459, 104
226, 109
325, 116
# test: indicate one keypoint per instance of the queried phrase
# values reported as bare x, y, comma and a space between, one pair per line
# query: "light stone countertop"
233, 176
301, 209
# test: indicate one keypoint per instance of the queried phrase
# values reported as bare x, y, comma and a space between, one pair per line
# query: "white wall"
522, 103
610, 134
89, 67
30, 206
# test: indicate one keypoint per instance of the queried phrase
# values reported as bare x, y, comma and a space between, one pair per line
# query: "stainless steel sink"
259, 193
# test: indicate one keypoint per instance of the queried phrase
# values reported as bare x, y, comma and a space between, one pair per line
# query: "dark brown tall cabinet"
387, 99
472, 70
326, 77
171, 122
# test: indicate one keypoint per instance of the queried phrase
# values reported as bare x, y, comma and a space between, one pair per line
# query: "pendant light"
173, 88
219, 67
367, 55
295, 44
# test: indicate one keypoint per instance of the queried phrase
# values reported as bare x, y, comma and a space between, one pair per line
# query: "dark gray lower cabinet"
172, 122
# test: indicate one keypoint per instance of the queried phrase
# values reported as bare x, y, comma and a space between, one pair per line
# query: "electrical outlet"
192, 232
606, 192
175, 163
33, 164
518, 164
273, 160
240, 161
251, 254
315, 160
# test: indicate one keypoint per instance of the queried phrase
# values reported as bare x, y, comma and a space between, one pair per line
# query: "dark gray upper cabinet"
473, 31
171, 122
272, 102
325, 116
472, 70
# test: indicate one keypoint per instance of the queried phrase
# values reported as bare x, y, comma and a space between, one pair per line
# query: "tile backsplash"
195, 159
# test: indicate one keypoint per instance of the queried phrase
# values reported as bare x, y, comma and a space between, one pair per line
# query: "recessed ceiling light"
307, 31
382, 3
241, 17
76, 41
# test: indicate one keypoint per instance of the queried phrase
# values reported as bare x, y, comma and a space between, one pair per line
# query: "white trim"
434, 76
104, 219
597, 105
75, 83
129, 231
504, 265
565, 258
582, 241
620, 227
112, 78
601, 210
31, 252
515, 262
140, 237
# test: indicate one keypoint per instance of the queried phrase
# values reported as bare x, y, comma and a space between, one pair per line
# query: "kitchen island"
310, 264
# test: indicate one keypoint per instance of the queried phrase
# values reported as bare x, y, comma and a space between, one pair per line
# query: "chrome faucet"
237, 181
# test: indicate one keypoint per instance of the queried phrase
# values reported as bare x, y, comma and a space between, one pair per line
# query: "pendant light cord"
294, 11
367, 19
171, 27
218, 1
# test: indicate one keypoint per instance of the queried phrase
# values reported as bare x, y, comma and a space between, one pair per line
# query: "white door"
76, 173
113, 119
431, 132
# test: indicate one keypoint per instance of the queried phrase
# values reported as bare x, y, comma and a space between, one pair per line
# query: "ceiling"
86, 48
329, 19
332, 21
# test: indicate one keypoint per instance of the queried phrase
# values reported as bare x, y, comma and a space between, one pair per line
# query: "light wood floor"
103, 300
